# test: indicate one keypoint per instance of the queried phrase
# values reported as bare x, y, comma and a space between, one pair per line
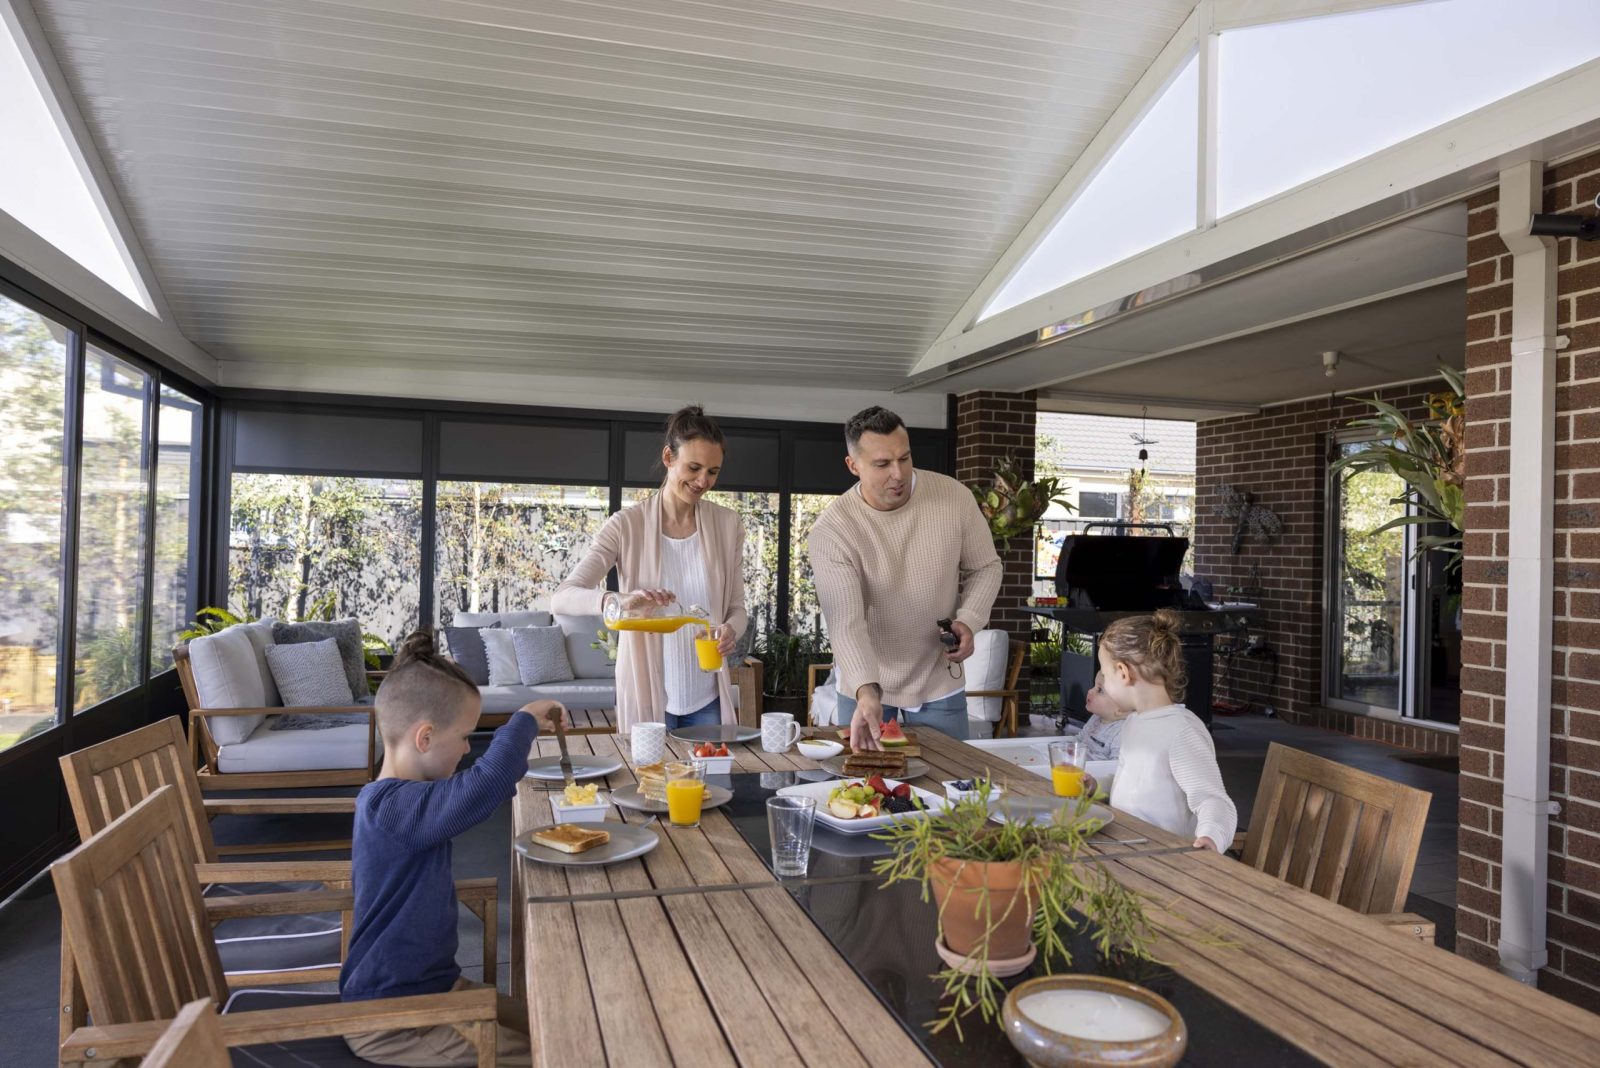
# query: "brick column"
991, 427
1573, 937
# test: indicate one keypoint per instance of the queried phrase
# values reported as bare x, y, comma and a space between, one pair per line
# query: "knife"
566, 760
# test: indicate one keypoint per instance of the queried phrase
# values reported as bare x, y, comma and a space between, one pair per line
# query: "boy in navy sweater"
404, 939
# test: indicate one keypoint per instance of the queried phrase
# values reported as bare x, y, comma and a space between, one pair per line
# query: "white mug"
649, 743
778, 732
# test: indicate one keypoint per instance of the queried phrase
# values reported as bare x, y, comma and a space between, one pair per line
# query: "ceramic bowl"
1047, 1048
818, 748
715, 765
595, 813
955, 793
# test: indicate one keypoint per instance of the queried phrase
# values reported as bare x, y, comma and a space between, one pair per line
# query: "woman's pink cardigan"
630, 541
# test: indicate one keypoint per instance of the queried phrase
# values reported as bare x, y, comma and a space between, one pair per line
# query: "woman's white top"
683, 571
1167, 775
1103, 737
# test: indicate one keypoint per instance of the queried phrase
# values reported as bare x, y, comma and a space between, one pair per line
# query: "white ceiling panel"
746, 190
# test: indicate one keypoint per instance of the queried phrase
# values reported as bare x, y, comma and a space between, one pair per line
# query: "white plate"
627, 842
1033, 809
630, 797
584, 766
819, 791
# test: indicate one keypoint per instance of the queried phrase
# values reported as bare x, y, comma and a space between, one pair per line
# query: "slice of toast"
889, 764
570, 837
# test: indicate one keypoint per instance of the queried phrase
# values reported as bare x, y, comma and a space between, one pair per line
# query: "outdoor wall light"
1330, 362
1584, 228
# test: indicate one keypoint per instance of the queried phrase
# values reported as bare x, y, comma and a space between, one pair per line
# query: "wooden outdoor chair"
1345, 835
1010, 697
194, 1040
105, 781
139, 928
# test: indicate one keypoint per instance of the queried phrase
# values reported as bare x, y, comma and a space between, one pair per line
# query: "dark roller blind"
818, 465
750, 463
520, 452
312, 443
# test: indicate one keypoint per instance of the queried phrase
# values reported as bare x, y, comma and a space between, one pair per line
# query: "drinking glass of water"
789, 822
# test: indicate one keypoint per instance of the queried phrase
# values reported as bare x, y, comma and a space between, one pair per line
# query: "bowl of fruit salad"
861, 806
714, 757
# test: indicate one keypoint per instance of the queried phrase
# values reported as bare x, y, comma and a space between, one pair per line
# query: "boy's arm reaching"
1194, 765
435, 812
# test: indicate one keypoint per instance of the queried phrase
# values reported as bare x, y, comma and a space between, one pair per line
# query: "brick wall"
1574, 864
991, 427
1281, 455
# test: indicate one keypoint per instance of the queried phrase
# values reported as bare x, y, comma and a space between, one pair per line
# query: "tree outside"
296, 539
33, 387
1371, 571
505, 547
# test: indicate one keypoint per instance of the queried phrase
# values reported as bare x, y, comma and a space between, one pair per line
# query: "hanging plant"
1428, 456
1012, 504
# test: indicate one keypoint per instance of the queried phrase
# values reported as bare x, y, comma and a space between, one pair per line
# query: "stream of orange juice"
658, 624
1067, 779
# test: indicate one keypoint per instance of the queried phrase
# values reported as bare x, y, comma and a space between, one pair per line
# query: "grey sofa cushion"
347, 632
504, 619
309, 673
579, 695
541, 654
587, 662
465, 646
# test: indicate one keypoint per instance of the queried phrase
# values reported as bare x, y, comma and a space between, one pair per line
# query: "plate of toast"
635, 798
584, 845
889, 763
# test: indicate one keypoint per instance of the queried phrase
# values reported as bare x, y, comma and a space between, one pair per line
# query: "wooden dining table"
705, 977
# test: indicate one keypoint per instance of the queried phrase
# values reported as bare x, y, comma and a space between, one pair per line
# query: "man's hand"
727, 640
553, 713
867, 723
964, 650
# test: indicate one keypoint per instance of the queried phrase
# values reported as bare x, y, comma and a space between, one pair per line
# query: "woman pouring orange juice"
674, 546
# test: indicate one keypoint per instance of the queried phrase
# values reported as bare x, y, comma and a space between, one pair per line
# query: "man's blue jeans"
948, 715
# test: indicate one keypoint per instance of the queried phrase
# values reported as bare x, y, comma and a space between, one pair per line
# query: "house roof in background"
1104, 443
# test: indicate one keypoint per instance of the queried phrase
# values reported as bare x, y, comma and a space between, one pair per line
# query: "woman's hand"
632, 602
727, 639
1205, 843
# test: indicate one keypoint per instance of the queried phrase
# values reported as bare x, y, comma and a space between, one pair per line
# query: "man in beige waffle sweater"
893, 555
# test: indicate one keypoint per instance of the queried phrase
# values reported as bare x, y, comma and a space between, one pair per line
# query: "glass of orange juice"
1068, 758
686, 789
708, 651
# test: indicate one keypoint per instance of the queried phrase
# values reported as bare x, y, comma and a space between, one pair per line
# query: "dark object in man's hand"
948, 635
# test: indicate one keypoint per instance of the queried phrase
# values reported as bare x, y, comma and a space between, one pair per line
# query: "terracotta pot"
966, 914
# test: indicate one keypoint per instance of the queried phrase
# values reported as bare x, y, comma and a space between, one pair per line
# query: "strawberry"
903, 792
877, 783
722, 750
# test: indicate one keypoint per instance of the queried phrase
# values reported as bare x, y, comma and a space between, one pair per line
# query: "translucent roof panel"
1299, 99
42, 184
1144, 194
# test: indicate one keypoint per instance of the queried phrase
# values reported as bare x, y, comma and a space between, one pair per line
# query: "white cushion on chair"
986, 670
230, 671
825, 701
334, 749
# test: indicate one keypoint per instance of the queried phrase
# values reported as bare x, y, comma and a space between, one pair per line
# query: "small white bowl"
818, 748
595, 813
714, 765
955, 794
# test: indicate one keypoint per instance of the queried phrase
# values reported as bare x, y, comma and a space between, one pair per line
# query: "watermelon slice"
892, 735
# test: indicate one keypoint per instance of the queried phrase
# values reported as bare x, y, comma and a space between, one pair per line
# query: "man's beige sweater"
885, 578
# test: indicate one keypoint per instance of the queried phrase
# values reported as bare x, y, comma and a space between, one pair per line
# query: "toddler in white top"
1103, 733
1167, 772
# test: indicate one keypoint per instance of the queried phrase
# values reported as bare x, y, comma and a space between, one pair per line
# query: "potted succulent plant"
1012, 503
1009, 891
